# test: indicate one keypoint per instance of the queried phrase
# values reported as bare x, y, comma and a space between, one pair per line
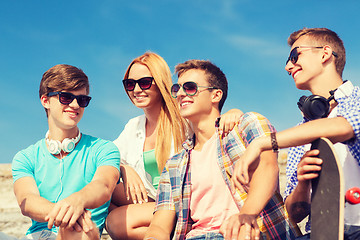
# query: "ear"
45, 101
327, 53
217, 95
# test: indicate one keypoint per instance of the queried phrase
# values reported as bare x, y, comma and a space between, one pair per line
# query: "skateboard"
328, 195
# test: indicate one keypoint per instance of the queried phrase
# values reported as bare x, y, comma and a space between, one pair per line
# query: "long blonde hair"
171, 127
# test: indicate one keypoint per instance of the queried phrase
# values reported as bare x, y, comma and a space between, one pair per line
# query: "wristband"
274, 143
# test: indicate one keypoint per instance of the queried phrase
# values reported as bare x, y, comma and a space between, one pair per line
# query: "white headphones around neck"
67, 145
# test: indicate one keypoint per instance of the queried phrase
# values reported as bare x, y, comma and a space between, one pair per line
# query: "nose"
74, 104
137, 88
181, 92
288, 67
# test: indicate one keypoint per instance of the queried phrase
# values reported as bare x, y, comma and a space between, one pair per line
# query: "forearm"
263, 184
336, 129
100, 189
35, 207
30, 202
298, 202
95, 194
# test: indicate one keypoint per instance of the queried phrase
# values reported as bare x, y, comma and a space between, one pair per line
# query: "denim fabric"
305, 237
41, 235
351, 232
208, 236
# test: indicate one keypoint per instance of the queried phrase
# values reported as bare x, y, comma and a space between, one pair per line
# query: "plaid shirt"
348, 98
175, 187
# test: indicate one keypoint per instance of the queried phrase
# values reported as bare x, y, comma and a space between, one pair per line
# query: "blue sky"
245, 38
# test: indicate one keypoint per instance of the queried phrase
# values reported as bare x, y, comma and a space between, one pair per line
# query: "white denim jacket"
131, 144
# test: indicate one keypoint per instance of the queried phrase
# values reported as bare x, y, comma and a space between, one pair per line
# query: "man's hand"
229, 119
66, 213
309, 166
134, 187
240, 226
84, 222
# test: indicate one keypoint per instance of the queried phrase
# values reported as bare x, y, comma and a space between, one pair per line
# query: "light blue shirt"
57, 179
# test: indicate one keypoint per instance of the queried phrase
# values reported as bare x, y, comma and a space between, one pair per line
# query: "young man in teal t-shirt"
64, 182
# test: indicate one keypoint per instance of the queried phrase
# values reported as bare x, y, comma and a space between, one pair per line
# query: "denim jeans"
208, 236
304, 237
350, 233
41, 235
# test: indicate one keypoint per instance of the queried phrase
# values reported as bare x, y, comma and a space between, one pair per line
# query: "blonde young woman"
145, 144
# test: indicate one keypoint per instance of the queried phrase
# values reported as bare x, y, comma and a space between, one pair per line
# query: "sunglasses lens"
190, 88
174, 89
129, 84
293, 56
83, 100
145, 83
66, 98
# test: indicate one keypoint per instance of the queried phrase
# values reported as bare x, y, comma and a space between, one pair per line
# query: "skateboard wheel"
352, 195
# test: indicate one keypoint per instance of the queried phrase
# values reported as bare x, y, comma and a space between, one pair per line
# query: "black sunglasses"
144, 83
66, 98
294, 54
190, 88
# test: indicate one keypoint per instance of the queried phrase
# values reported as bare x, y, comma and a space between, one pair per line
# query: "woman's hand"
134, 187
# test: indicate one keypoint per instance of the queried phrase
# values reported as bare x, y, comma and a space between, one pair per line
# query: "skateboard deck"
327, 199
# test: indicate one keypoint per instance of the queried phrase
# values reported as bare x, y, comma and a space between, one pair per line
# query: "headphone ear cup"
301, 102
314, 107
68, 145
54, 146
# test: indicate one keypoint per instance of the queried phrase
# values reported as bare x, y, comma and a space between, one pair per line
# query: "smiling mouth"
139, 97
183, 104
72, 114
295, 73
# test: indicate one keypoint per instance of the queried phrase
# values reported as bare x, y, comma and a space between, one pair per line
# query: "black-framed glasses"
144, 83
190, 88
66, 98
294, 54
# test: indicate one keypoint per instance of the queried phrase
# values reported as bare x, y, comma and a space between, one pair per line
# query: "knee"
115, 226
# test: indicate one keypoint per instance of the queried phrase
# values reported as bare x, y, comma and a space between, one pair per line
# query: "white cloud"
256, 45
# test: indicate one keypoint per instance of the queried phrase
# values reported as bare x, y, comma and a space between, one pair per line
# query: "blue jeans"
304, 237
350, 233
208, 236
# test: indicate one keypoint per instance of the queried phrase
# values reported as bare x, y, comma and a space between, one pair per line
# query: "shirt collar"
344, 90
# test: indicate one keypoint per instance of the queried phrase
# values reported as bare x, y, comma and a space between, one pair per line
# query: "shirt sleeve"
121, 144
349, 108
294, 156
164, 199
252, 125
22, 165
108, 155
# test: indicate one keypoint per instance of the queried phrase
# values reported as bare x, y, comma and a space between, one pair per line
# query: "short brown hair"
63, 77
216, 77
323, 36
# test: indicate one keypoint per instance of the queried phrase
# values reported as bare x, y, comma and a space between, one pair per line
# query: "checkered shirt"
349, 108
175, 187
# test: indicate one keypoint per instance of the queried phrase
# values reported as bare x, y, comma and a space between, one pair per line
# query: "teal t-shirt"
151, 167
57, 179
